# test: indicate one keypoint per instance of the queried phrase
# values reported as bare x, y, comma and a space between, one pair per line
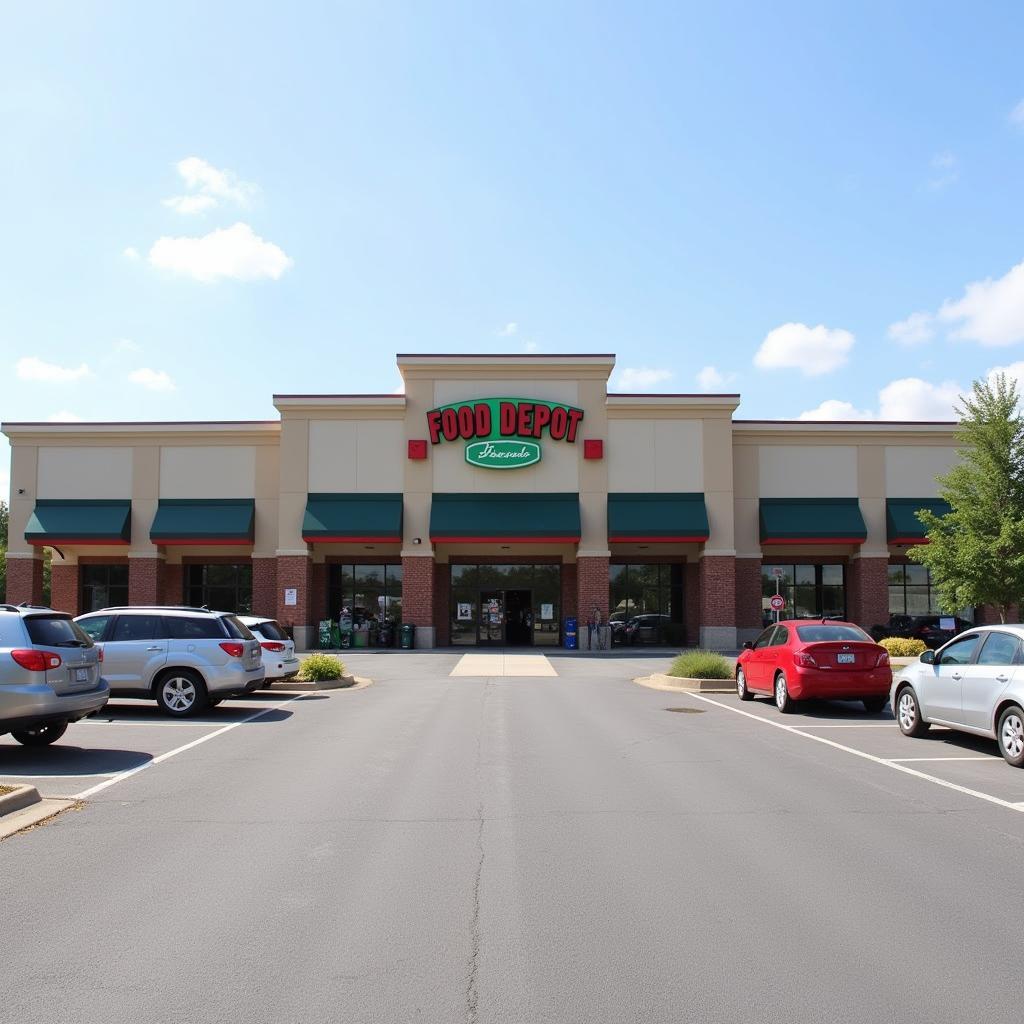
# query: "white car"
278, 651
973, 683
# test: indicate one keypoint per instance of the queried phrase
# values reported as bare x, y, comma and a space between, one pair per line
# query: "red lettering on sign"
434, 425
467, 422
482, 413
449, 424
524, 424
507, 418
575, 415
541, 418
559, 423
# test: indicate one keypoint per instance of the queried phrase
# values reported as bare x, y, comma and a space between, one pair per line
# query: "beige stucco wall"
85, 473
356, 455
214, 471
808, 471
655, 455
910, 471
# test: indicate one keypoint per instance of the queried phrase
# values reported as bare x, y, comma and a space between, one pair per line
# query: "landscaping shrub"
318, 668
902, 647
701, 665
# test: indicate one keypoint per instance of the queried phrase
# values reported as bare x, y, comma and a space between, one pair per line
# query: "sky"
818, 206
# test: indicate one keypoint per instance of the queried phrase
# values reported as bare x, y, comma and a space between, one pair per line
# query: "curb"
34, 814
344, 683
678, 684
22, 797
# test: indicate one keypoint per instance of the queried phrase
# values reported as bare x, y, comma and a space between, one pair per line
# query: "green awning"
901, 523
812, 521
203, 521
663, 518
509, 518
59, 521
370, 518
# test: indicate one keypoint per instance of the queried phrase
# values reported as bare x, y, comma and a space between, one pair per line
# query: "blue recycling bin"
570, 634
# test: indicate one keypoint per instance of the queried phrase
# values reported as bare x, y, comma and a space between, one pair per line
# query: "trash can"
408, 634
570, 634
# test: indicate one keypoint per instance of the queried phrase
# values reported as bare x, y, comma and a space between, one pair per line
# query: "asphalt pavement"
546, 849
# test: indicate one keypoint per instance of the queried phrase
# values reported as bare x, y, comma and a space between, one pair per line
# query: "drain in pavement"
687, 711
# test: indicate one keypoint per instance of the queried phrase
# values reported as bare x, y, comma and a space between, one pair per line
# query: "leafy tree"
4, 524
976, 552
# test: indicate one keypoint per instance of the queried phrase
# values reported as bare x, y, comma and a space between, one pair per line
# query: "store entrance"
506, 618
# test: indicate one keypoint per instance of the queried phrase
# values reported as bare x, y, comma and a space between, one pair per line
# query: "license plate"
81, 675
846, 659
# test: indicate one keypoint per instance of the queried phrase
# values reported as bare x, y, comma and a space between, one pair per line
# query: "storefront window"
651, 597
370, 593
810, 591
505, 604
226, 588
911, 591
103, 586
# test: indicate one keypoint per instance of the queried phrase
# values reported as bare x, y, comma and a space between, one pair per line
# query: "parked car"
926, 628
279, 661
801, 659
974, 683
646, 629
50, 674
187, 659
617, 624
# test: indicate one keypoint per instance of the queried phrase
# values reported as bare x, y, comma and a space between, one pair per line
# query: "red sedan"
802, 659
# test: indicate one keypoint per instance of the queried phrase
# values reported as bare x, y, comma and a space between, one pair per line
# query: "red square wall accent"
417, 449
593, 449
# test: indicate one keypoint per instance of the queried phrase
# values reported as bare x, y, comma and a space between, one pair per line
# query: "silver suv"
49, 674
187, 659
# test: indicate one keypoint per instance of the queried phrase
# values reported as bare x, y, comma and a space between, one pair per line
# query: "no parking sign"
778, 602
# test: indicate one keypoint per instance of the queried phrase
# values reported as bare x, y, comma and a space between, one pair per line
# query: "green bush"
701, 665
318, 668
902, 647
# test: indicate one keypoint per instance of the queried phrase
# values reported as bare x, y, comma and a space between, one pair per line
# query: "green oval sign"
503, 454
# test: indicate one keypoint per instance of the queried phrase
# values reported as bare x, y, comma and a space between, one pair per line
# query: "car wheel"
874, 704
212, 702
1011, 736
181, 693
42, 735
742, 690
908, 713
783, 701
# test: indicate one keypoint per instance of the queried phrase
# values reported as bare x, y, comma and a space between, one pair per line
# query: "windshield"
824, 633
56, 631
236, 628
270, 630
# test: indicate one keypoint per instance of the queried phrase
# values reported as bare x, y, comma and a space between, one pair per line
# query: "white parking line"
998, 801
863, 725
983, 757
121, 776
148, 724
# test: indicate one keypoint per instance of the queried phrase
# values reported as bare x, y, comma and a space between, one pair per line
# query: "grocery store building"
497, 497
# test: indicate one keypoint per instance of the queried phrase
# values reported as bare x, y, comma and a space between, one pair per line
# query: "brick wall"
569, 593
748, 593
264, 586
867, 591
592, 586
24, 580
691, 602
293, 571
718, 590
442, 601
418, 590
65, 594
144, 580
172, 583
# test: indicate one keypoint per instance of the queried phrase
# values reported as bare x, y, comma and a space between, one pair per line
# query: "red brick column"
867, 592
718, 601
691, 603
65, 593
418, 596
569, 594
748, 594
294, 572
264, 586
144, 580
172, 583
442, 600
592, 586
24, 580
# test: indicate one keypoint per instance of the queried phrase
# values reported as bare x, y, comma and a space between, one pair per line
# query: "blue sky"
818, 206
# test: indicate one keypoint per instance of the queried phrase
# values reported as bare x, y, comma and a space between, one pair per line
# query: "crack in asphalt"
472, 992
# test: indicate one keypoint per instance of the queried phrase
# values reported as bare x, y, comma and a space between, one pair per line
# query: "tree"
4, 523
976, 552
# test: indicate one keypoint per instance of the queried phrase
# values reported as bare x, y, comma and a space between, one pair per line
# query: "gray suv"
49, 674
187, 659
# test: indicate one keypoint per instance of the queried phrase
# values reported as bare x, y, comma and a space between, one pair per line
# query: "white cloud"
131, 253
1017, 115
531, 346
946, 171
64, 417
154, 380
811, 350
630, 378
990, 312
710, 377
834, 409
1014, 371
911, 398
126, 345
31, 368
236, 252
208, 186
915, 330
508, 330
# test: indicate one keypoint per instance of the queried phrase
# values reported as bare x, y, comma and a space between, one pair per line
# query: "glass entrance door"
491, 629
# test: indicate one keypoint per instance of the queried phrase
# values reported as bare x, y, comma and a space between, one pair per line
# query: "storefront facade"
498, 496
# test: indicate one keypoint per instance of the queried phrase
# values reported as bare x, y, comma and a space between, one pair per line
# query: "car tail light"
271, 645
804, 660
36, 661
99, 655
236, 650
883, 660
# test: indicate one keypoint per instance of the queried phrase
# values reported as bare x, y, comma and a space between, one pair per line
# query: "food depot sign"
504, 433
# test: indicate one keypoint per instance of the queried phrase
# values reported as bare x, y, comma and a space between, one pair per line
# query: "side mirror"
748, 645
928, 657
